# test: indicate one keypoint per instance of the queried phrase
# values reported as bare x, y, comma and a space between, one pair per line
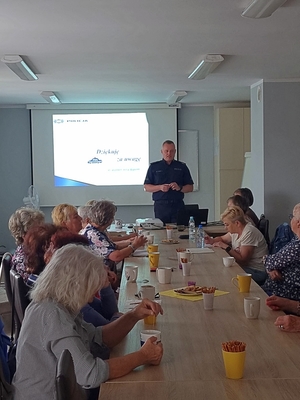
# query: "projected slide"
100, 149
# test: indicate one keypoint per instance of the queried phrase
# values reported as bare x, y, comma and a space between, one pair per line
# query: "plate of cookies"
170, 241
190, 290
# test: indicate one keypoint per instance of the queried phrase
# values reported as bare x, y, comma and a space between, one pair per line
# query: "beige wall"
232, 140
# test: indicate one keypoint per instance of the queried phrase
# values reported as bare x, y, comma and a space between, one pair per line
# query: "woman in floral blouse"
101, 216
283, 267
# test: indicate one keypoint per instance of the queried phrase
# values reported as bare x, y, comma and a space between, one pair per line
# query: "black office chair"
263, 226
67, 387
20, 299
191, 206
5, 268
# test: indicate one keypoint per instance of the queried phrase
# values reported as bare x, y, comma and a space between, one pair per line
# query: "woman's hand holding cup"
152, 352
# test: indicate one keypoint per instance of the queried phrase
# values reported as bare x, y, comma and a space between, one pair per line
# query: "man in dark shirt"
168, 180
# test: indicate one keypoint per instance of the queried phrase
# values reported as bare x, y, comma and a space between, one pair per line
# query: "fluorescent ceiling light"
262, 8
206, 66
176, 97
50, 97
19, 67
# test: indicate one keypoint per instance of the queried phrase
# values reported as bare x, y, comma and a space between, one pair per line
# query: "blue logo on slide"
95, 160
58, 121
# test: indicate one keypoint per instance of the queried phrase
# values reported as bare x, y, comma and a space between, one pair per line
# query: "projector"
149, 223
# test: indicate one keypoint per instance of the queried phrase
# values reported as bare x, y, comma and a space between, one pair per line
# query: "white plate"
187, 293
170, 241
198, 250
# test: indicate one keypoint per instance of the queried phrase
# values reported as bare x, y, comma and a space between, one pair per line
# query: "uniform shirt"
251, 236
49, 328
160, 172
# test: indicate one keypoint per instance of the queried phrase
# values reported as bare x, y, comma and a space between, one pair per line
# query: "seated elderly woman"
84, 213
244, 242
40, 243
101, 217
53, 323
248, 196
283, 267
66, 215
19, 223
241, 202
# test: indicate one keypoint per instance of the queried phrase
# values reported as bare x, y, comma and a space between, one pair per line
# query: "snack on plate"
234, 346
211, 289
180, 250
189, 289
173, 241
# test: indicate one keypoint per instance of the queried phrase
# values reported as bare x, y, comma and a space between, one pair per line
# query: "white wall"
275, 146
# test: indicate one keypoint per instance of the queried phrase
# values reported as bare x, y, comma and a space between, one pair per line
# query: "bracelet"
228, 248
298, 309
132, 248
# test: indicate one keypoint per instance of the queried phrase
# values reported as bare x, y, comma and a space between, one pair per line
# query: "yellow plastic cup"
150, 320
234, 364
154, 260
152, 248
242, 282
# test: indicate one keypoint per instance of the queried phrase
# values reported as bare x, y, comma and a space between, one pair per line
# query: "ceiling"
141, 51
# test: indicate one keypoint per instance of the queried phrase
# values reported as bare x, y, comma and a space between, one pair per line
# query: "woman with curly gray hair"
101, 217
53, 323
19, 223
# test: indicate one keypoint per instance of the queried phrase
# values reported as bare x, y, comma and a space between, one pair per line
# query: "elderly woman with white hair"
244, 242
19, 223
53, 323
101, 217
283, 267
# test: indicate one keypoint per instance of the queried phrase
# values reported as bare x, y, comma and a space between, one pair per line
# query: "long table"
192, 365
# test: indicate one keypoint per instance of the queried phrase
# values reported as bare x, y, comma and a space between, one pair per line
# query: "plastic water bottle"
200, 237
192, 230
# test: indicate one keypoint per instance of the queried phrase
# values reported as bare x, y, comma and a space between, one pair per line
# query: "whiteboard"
188, 152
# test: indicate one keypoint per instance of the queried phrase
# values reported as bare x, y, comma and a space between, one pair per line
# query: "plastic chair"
263, 226
67, 387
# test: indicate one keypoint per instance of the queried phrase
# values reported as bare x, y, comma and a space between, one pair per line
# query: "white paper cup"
164, 275
186, 268
146, 334
208, 301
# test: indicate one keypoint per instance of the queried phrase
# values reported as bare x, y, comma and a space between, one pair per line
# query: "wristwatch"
228, 248
132, 248
180, 187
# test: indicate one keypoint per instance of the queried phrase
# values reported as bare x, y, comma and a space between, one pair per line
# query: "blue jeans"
258, 276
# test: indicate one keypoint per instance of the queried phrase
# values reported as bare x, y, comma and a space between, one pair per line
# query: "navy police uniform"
167, 204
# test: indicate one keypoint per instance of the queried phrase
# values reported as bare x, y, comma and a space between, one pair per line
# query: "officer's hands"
165, 187
174, 186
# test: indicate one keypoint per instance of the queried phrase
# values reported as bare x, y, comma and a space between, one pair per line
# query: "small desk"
192, 365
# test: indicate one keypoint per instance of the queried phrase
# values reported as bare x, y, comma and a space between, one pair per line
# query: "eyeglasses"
291, 216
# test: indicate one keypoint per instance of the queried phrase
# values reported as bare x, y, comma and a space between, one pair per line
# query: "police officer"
168, 180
